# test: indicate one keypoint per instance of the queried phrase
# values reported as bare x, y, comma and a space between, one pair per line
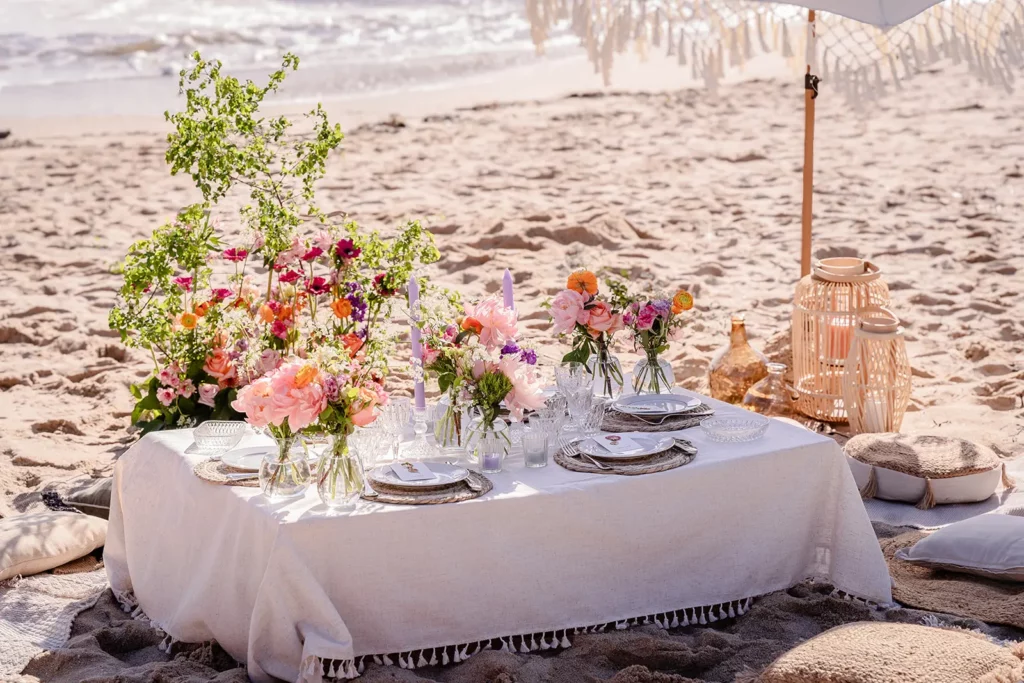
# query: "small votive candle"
535, 448
490, 463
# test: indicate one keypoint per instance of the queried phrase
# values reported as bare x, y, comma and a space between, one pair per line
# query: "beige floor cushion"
37, 541
988, 545
927, 470
871, 652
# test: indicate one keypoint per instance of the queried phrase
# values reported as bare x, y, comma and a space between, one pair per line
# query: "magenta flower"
290, 276
645, 318
184, 281
221, 293
279, 329
381, 284
318, 285
346, 250
313, 254
166, 395
236, 255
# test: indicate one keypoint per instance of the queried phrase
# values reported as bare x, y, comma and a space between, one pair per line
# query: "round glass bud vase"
653, 375
737, 366
771, 396
607, 372
478, 433
339, 474
284, 472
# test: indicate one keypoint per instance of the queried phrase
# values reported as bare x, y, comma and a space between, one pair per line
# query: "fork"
572, 449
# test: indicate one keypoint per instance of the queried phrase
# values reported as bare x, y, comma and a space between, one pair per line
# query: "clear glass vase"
339, 475
478, 433
771, 396
653, 375
450, 427
607, 372
737, 366
490, 451
284, 472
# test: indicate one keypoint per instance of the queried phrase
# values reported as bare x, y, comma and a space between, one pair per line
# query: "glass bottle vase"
607, 372
284, 472
737, 366
653, 375
339, 474
450, 426
771, 396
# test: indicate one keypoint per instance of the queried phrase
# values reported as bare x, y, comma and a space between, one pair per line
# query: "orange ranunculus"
267, 314
342, 308
285, 312
583, 281
189, 320
202, 308
306, 376
473, 324
352, 342
682, 301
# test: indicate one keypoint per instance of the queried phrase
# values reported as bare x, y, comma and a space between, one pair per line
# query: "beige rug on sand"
36, 614
995, 602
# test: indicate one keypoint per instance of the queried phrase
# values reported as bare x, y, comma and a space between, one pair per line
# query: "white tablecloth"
284, 586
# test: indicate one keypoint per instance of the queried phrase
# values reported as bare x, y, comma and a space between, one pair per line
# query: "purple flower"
331, 388
358, 307
662, 306
528, 356
510, 348
242, 345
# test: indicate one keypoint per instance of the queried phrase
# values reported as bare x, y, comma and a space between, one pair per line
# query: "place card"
412, 471
619, 444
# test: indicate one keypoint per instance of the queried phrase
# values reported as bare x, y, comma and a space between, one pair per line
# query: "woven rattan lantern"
876, 380
825, 310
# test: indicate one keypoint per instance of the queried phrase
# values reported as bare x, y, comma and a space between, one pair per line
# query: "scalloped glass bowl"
218, 436
735, 429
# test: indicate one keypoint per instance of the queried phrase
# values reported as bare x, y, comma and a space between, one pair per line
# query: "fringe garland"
990, 39
315, 669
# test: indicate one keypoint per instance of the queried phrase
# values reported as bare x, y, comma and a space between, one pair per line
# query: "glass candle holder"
535, 448
491, 453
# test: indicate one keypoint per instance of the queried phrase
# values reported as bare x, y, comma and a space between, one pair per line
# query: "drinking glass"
571, 377
370, 443
590, 423
394, 419
535, 447
580, 404
555, 406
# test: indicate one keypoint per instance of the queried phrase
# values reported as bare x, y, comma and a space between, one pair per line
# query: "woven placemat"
89, 563
668, 460
215, 472
436, 495
614, 421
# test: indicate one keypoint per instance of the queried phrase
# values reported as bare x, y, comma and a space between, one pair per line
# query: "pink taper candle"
506, 289
417, 347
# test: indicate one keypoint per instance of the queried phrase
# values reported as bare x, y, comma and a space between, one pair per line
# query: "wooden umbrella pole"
810, 93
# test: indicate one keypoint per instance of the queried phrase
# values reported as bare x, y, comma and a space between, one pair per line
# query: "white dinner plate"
654, 404
647, 445
443, 474
249, 458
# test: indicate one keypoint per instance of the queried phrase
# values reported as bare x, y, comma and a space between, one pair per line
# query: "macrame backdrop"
716, 38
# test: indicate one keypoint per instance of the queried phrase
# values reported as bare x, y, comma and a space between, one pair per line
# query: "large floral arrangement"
219, 310
590, 320
651, 321
480, 366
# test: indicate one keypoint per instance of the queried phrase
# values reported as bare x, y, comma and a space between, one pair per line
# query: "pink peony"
207, 394
498, 324
646, 317
567, 310
254, 401
166, 395
297, 398
526, 391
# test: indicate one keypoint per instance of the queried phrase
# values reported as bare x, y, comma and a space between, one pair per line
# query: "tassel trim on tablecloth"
130, 604
315, 669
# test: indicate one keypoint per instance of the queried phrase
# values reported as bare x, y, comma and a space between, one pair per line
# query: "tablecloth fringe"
130, 604
315, 669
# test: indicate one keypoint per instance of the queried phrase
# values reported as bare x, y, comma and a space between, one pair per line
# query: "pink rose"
166, 395
220, 366
601, 317
567, 309
646, 317
207, 394
429, 355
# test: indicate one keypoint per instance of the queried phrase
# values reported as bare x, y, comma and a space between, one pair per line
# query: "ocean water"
347, 47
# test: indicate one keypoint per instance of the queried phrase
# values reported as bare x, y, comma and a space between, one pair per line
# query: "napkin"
412, 471
619, 444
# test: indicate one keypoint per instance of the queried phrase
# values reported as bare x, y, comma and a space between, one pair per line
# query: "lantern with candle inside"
876, 377
825, 310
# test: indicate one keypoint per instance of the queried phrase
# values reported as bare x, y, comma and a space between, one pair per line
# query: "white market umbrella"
859, 48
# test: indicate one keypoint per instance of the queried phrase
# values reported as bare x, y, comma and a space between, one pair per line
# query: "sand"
678, 188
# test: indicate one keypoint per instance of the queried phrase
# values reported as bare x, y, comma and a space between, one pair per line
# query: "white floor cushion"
38, 541
988, 545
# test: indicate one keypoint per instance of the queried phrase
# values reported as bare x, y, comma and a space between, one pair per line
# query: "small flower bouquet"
591, 320
480, 367
651, 321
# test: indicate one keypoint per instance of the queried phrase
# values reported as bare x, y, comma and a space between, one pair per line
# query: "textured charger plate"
615, 421
215, 472
453, 493
669, 460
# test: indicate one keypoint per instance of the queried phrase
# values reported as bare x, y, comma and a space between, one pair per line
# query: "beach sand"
679, 188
